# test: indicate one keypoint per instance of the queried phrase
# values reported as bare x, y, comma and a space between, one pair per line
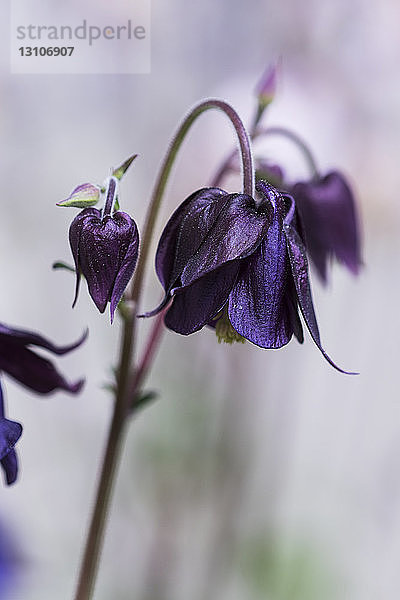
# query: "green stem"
129, 381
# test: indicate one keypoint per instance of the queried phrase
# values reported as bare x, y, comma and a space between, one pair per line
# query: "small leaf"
62, 265
120, 171
143, 399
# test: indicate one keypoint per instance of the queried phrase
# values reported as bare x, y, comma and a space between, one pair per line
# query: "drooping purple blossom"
105, 248
224, 258
330, 222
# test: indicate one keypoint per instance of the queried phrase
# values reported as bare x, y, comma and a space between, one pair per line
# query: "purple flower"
329, 218
10, 432
33, 370
239, 266
105, 248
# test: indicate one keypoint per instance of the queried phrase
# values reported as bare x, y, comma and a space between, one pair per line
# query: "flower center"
224, 330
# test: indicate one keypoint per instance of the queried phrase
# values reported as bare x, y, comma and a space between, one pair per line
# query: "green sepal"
120, 171
83, 196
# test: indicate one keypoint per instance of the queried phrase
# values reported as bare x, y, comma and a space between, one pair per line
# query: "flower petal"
193, 306
185, 231
328, 212
99, 247
258, 304
9, 465
235, 234
10, 335
32, 370
75, 231
299, 268
128, 253
10, 432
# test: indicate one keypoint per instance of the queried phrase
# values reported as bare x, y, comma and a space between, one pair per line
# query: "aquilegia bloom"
10, 432
222, 257
105, 247
329, 218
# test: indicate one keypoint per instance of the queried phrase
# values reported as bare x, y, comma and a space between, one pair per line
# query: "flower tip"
120, 171
335, 366
75, 388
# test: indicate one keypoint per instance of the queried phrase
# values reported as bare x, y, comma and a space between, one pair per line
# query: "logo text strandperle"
84, 31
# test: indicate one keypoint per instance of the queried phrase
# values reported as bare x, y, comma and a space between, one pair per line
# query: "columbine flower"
10, 432
105, 248
329, 217
242, 267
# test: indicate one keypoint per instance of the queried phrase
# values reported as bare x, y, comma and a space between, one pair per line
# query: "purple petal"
128, 255
329, 216
105, 251
258, 304
299, 267
10, 432
32, 370
75, 231
185, 231
9, 465
99, 258
235, 234
194, 306
9, 335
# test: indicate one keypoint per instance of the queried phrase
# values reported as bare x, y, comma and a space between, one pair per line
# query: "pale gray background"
310, 459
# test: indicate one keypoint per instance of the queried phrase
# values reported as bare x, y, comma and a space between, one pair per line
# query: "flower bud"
83, 196
105, 248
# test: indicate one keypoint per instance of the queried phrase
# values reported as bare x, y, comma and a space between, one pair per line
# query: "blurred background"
257, 474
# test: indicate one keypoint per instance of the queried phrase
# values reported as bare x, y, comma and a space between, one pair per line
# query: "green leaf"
120, 171
62, 265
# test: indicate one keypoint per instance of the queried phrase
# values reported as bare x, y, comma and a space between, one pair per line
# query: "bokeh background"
257, 474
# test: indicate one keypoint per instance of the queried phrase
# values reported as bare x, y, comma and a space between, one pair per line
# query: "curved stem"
248, 176
294, 138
